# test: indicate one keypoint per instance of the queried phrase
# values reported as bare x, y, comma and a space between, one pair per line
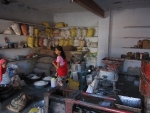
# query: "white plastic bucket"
53, 82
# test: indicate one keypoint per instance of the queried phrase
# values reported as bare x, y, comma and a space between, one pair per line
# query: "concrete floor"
38, 95
127, 89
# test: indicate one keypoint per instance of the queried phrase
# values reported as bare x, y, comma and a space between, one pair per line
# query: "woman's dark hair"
62, 52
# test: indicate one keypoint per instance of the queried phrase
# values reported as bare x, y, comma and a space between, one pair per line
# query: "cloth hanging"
2, 70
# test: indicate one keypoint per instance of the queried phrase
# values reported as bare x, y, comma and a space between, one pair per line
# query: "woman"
60, 64
4, 75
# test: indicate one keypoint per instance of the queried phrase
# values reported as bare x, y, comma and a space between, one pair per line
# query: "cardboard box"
146, 44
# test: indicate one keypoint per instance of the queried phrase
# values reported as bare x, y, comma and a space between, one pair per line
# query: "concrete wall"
23, 15
128, 17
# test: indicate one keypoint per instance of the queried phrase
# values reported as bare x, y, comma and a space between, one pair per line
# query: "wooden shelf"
137, 27
138, 37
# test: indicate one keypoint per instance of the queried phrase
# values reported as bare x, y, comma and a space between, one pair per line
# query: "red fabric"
2, 70
62, 70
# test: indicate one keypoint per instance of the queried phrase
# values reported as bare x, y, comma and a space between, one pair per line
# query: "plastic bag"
24, 29
30, 41
16, 28
73, 32
45, 42
72, 84
6, 78
61, 42
19, 103
90, 32
31, 30
8, 31
60, 24
41, 42
84, 32
36, 42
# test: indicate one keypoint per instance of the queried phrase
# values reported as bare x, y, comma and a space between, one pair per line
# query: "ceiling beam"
91, 6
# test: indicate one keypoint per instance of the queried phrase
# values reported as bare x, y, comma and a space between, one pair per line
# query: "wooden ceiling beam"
91, 6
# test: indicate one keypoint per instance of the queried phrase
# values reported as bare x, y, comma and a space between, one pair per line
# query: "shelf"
19, 48
40, 25
76, 27
137, 27
12, 35
132, 48
138, 37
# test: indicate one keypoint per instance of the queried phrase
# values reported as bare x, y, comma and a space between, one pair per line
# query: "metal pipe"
91, 95
90, 105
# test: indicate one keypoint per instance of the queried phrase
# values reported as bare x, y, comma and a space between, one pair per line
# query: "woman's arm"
56, 65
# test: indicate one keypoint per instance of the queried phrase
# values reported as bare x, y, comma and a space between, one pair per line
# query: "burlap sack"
40, 71
47, 60
19, 103
43, 65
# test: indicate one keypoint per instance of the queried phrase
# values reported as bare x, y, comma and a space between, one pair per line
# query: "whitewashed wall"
89, 19
128, 17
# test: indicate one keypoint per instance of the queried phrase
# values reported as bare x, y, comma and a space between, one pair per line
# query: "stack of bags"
44, 65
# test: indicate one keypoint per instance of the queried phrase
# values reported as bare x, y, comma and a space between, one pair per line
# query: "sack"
84, 32
56, 32
46, 72
19, 103
43, 65
56, 42
78, 32
41, 42
30, 41
36, 42
31, 30
62, 33
82, 43
60, 24
45, 42
46, 24
71, 41
61, 42
73, 32
90, 32
47, 60
16, 28
8, 31
49, 31
67, 32
36, 32
66, 42
76, 42
24, 29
